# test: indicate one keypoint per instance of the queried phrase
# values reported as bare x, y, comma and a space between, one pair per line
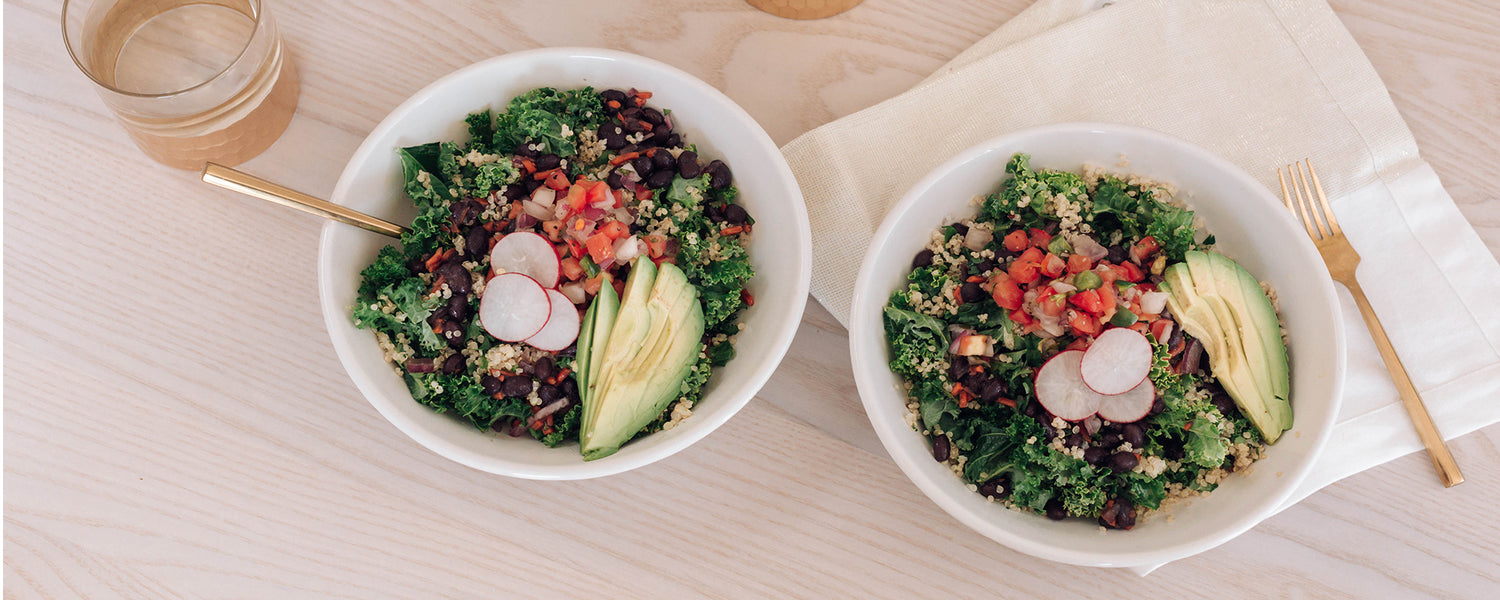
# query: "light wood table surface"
177, 424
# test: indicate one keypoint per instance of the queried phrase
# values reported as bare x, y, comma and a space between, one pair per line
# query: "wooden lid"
804, 9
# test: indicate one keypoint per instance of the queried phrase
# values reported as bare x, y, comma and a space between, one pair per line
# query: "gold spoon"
251, 185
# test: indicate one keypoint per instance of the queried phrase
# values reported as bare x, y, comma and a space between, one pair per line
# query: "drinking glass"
191, 81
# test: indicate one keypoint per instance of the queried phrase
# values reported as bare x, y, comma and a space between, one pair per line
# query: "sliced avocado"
634, 387
1260, 331
624, 335
1208, 295
592, 338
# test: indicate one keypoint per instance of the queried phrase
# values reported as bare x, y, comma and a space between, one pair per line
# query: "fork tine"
1333, 222
1301, 211
1285, 197
1305, 194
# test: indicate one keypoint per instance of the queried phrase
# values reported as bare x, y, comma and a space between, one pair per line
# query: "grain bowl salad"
575, 271
1078, 349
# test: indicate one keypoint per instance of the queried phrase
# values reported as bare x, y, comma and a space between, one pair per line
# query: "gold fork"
1341, 259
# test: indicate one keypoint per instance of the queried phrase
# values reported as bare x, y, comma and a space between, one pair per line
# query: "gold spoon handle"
251, 185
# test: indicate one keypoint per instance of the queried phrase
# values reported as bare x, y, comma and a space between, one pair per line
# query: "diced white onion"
1086, 246
544, 196
1064, 287
1153, 302
627, 248
574, 292
535, 209
976, 239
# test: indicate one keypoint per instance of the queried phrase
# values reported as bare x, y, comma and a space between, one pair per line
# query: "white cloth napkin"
1260, 82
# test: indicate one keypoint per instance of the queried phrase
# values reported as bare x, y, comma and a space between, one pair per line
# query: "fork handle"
1442, 459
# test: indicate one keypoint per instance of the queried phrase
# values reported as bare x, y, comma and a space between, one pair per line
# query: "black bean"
454, 364
735, 214
570, 388
464, 212
616, 95
663, 161
1174, 340
1045, 419
991, 489
514, 192
457, 277
673, 141
1171, 449
544, 368
652, 116
490, 383
1134, 434
517, 427
454, 335
549, 394
1109, 439
960, 228
1003, 253
1032, 409
660, 135
1116, 254
458, 308
1157, 406
525, 149
971, 292
687, 165
420, 365
476, 242
1118, 513
614, 180
923, 259
1077, 439
715, 213
516, 386
1122, 462
660, 179
634, 124
958, 369
630, 113
719, 175
940, 448
1222, 401
547, 162
972, 380
984, 265
530, 185
992, 390
1055, 510
416, 265
615, 142
643, 166
1095, 455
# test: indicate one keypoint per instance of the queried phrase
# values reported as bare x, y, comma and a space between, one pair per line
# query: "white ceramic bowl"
372, 183
1251, 226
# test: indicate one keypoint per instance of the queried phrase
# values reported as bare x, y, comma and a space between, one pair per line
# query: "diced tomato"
592, 285
577, 198
571, 269
553, 229
1089, 301
601, 248
1032, 254
1129, 272
656, 245
1021, 318
1024, 271
1016, 241
1006, 293
1039, 238
558, 180
614, 229
1084, 324
1081, 343
1053, 265
1161, 329
619, 197
594, 191
1079, 263
1050, 302
1143, 249
1107, 300
576, 248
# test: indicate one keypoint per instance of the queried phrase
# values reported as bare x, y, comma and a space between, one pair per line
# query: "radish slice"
1130, 406
528, 254
561, 328
1118, 360
1062, 392
514, 307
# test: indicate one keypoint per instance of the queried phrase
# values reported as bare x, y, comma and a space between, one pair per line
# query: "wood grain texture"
177, 424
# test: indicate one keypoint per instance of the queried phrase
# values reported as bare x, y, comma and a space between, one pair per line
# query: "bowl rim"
692, 430
866, 346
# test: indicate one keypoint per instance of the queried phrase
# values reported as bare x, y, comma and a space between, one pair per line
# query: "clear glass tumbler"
192, 81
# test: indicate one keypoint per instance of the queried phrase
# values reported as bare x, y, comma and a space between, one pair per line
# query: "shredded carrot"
646, 125
536, 425
528, 165
643, 95
613, 104
976, 369
433, 261
540, 175
1007, 402
975, 279
515, 210
620, 160
731, 230
639, 101
560, 375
